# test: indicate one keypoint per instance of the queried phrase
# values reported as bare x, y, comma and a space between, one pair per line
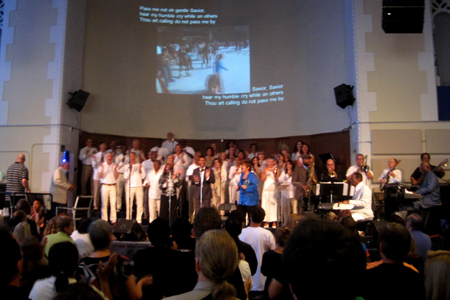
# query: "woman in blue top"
248, 188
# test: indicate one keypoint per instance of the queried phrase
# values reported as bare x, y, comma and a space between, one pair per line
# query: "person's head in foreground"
216, 258
318, 252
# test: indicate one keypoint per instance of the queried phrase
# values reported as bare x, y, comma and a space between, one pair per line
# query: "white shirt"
83, 242
152, 179
121, 164
169, 145
148, 166
96, 162
44, 289
356, 169
86, 158
190, 171
138, 154
396, 179
232, 174
178, 163
284, 177
108, 173
258, 238
362, 202
135, 180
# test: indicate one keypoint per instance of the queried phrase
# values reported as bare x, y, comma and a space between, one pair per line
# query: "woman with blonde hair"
437, 272
216, 258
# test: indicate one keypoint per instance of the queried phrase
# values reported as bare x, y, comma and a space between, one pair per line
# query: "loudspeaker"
78, 100
403, 16
344, 95
129, 230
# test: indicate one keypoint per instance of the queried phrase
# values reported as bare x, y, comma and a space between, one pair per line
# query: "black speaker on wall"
403, 16
344, 95
129, 230
78, 100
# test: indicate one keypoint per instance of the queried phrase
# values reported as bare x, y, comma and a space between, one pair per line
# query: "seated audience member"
391, 279
63, 263
22, 229
181, 235
65, 228
154, 260
35, 265
415, 225
261, 241
292, 221
11, 267
81, 238
52, 227
38, 216
233, 225
326, 250
276, 286
23, 204
216, 258
123, 284
183, 264
437, 272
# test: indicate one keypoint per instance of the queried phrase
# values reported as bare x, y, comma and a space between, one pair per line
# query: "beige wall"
36, 73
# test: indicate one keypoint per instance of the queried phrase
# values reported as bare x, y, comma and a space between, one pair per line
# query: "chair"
81, 208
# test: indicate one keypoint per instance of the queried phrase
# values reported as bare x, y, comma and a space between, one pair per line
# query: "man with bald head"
17, 177
428, 188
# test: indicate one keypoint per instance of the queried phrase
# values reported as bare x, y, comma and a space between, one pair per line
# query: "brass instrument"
332, 174
365, 167
311, 180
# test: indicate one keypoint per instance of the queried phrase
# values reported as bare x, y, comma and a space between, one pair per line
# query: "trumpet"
365, 167
331, 173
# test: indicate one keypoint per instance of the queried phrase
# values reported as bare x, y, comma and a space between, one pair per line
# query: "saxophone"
311, 180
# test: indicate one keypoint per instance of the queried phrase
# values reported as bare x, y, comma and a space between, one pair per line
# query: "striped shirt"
16, 172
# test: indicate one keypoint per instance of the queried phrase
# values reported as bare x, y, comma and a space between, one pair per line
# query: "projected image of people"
202, 60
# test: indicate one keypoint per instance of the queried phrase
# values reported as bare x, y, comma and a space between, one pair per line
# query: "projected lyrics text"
271, 94
170, 16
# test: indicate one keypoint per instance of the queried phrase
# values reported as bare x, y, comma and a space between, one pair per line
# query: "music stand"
331, 192
285, 207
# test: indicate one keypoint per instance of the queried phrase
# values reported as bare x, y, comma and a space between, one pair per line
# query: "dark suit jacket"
299, 176
207, 191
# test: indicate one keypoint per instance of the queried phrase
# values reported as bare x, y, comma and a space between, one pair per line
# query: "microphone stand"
201, 188
170, 197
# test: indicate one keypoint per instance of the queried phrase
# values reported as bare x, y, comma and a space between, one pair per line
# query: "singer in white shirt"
134, 174
108, 176
154, 193
121, 160
97, 159
362, 199
234, 175
87, 172
170, 143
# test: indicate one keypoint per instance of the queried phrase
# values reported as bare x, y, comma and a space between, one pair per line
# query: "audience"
155, 260
65, 227
11, 266
63, 263
323, 260
261, 241
181, 235
233, 225
82, 239
437, 273
35, 265
216, 258
22, 229
24, 205
122, 282
276, 287
391, 279
415, 225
